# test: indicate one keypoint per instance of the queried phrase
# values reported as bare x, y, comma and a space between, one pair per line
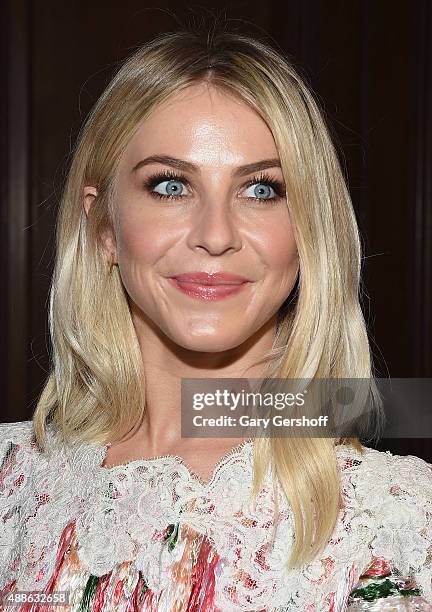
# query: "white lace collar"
243, 449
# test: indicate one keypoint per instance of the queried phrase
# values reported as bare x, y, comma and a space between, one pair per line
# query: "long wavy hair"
96, 388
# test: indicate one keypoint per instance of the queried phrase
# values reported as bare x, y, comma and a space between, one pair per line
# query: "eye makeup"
169, 175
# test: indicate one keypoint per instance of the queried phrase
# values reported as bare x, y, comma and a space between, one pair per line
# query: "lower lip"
208, 292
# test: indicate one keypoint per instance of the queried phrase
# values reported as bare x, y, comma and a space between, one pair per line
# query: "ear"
90, 193
107, 235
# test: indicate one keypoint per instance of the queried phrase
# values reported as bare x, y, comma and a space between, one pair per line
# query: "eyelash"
263, 177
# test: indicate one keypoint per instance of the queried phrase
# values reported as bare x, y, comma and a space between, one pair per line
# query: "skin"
214, 227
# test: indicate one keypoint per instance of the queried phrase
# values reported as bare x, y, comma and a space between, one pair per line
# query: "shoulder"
20, 430
401, 476
17, 450
16, 440
380, 477
16, 457
27, 476
391, 497
395, 489
21, 459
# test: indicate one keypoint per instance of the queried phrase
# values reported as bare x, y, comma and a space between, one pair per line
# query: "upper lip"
215, 278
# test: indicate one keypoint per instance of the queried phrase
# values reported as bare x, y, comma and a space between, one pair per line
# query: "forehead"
204, 125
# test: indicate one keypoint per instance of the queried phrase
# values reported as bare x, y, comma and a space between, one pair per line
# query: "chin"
211, 343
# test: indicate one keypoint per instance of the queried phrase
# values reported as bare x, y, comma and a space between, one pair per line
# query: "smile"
207, 292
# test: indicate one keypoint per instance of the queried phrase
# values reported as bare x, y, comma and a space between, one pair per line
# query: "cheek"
278, 248
142, 244
284, 258
138, 248
280, 256
142, 240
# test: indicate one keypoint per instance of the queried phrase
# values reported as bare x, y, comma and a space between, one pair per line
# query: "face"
201, 209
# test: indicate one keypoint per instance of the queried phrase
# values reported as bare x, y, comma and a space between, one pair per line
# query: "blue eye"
171, 188
262, 191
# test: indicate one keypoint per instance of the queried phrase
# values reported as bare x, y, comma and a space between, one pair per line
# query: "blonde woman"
205, 231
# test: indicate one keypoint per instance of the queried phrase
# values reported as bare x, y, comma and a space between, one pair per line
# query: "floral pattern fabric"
151, 536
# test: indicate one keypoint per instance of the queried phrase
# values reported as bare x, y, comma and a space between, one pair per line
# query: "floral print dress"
149, 535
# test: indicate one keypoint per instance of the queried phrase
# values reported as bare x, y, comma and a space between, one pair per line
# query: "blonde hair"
95, 391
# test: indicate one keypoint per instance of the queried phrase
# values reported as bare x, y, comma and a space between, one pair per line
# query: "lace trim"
235, 451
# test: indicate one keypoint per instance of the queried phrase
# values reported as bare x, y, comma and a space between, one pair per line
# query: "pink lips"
204, 286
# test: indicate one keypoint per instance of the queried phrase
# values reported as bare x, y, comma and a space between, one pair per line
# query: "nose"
215, 228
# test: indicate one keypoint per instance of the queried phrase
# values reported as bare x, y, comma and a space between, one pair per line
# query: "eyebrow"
186, 166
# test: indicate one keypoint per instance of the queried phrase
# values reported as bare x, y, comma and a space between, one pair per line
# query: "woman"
205, 154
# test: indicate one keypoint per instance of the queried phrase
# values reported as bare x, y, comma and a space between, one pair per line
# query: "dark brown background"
370, 65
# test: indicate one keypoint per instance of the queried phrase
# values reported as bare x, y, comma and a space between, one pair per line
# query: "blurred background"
369, 64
